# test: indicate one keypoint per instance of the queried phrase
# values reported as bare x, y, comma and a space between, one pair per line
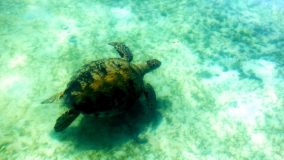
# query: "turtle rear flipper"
65, 120
53, 98
150, 96
123, 50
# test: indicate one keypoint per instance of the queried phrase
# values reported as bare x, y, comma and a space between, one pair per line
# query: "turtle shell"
108, 85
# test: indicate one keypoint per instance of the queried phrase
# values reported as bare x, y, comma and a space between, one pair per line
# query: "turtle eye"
153, 63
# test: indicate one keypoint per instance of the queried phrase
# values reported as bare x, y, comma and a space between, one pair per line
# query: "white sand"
220, 88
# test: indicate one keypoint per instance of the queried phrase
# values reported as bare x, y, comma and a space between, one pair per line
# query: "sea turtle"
106, 87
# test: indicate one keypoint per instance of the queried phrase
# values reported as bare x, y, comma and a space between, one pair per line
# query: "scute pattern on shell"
107, 85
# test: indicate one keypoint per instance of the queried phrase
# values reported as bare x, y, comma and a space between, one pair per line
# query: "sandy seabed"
220, 88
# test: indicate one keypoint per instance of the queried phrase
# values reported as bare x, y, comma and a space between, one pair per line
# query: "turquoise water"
220, 89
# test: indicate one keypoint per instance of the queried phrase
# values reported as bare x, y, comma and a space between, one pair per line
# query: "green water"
220, 89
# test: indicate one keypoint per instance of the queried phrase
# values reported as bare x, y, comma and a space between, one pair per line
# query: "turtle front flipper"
65, 120
123, 50
150, 96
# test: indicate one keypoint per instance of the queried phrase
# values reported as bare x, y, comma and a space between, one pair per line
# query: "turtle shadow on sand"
98, 133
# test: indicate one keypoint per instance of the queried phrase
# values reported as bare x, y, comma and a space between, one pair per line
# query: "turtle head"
149, 66
153, 64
